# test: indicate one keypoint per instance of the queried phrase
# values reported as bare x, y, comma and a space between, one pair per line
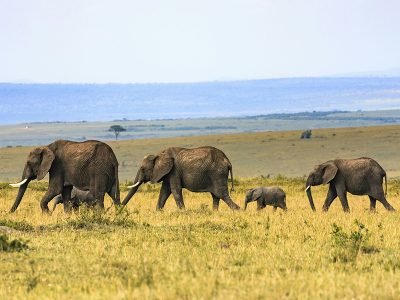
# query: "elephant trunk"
130, 194
57, 200
246, 201
21, 193
310, 198
134, 188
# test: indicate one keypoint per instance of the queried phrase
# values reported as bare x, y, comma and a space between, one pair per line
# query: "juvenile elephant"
360, 176
78, 197
264, 196
89, 165
203, 169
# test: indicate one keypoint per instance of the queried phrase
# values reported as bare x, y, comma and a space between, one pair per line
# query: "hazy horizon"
27, 103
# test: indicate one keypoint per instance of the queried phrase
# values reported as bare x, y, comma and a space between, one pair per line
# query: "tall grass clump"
88, 218
348, 246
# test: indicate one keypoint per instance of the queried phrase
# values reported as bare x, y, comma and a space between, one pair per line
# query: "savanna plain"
140, 253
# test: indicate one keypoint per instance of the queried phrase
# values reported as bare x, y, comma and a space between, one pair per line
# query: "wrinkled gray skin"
361, 176
78, 197
89, 165
203, 169
264, 196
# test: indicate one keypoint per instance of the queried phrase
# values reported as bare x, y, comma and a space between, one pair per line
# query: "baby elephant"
273, 196
78, 197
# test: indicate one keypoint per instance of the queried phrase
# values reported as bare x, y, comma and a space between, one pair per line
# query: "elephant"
202, 169
264, 196
89, 165
360, 176
78, 197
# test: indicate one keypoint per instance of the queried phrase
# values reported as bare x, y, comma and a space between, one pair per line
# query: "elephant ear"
256, 194
47, 159
329, 172
163, 164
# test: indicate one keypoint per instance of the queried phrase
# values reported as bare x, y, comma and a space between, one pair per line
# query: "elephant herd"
83, 172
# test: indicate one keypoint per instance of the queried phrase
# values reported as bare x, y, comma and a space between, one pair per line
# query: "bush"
89, 218
7, 245
346, 247
17, 225
306, 134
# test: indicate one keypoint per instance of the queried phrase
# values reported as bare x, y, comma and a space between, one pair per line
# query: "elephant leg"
343, 200
227, 199
177, 193
164, 194
215, 202
382, 199
260, 204
46, 199
332, 194
97, 191
99, 201
372, 204
66, 195
57, 200
113, 194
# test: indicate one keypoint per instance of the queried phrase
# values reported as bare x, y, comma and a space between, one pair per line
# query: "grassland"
253, 154
201, 254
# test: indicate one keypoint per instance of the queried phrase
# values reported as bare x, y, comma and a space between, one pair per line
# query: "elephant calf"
264, 196
78, 197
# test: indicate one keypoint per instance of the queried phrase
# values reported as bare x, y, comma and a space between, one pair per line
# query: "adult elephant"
89, 165
203, 169
361, 176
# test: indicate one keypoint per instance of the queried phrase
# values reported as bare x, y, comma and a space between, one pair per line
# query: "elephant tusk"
132, 186
307, 188
19, 183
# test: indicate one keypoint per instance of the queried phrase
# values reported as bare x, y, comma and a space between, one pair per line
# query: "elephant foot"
46, 211
235, 207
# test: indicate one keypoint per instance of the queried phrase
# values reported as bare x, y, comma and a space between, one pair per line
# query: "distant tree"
306, 134
117, 129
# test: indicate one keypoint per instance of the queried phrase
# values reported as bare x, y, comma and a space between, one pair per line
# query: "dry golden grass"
201, 254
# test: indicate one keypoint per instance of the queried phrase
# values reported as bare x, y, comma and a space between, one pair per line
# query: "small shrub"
347, 246
122, 218
306, 134
17, 225
7, 245
89, 218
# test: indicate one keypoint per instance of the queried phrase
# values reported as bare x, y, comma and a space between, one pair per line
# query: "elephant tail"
385, 185
230, 170
116, 183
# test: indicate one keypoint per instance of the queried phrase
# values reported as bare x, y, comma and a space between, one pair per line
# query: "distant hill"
42, 133
25, 103
394, 72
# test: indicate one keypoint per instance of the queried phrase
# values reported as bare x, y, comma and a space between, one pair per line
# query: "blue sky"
186, 41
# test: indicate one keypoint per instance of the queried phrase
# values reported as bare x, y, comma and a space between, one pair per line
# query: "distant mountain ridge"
43, 133
21, 103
